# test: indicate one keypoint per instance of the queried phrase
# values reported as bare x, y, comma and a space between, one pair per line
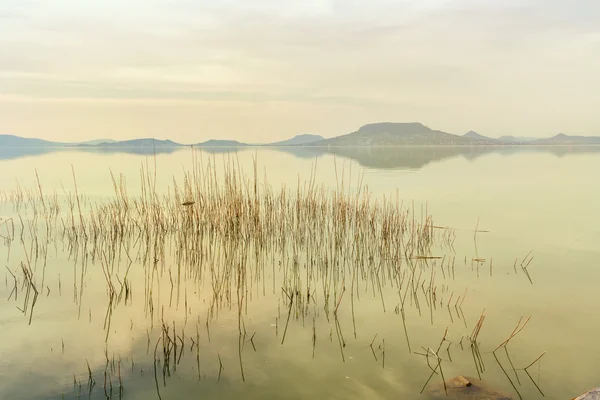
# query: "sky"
265, 70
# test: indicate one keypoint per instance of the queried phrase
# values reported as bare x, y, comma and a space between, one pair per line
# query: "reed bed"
219, 228
339, 236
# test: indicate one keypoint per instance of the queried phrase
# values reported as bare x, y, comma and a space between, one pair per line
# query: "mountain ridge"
149, 142
477, 136
18, 141
563, 139
399, 134
298, 140
380, 134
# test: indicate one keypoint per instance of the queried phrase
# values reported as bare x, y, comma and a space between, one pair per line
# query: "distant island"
299, 140
401, 134
385, 134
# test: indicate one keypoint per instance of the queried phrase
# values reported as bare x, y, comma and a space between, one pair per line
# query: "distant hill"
562, 139
145, 142
17, 141
399, 134
476, 136
221, 143
376, 135
298, 139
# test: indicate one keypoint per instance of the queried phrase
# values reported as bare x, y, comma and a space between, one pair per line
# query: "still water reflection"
538, 203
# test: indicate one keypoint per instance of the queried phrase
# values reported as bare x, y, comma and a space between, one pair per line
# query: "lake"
298, 272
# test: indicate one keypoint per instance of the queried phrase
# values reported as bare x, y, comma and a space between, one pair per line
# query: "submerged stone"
593, 394
466, 388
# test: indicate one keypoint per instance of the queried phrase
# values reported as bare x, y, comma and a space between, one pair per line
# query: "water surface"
537, 202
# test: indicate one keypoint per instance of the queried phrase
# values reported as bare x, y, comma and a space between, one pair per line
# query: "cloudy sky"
263, 70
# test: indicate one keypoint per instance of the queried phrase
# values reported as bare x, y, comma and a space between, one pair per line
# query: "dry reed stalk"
211, 226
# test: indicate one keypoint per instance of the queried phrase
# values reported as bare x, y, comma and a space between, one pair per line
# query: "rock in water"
465, 388
593, 394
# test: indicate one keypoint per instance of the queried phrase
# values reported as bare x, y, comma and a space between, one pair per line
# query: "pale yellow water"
539, 200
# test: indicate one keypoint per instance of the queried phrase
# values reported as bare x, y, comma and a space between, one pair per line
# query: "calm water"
542, 202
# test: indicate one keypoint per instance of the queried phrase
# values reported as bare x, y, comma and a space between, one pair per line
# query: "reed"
219, 230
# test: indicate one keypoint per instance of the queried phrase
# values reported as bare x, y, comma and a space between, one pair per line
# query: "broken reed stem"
536, 360
515, 332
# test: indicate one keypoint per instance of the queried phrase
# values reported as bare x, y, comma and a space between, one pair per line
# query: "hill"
399, 134
562, 139
298, 139
376, 135
476, 136
145, 142
17, 141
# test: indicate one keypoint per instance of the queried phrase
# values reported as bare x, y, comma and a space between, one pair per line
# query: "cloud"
452, 57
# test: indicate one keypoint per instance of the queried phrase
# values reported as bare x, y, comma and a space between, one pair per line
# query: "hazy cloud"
500, 67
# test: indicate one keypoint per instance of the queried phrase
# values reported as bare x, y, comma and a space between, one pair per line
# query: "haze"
263, 70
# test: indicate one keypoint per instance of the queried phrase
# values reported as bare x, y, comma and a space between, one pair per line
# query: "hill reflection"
409, 158
414, 158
